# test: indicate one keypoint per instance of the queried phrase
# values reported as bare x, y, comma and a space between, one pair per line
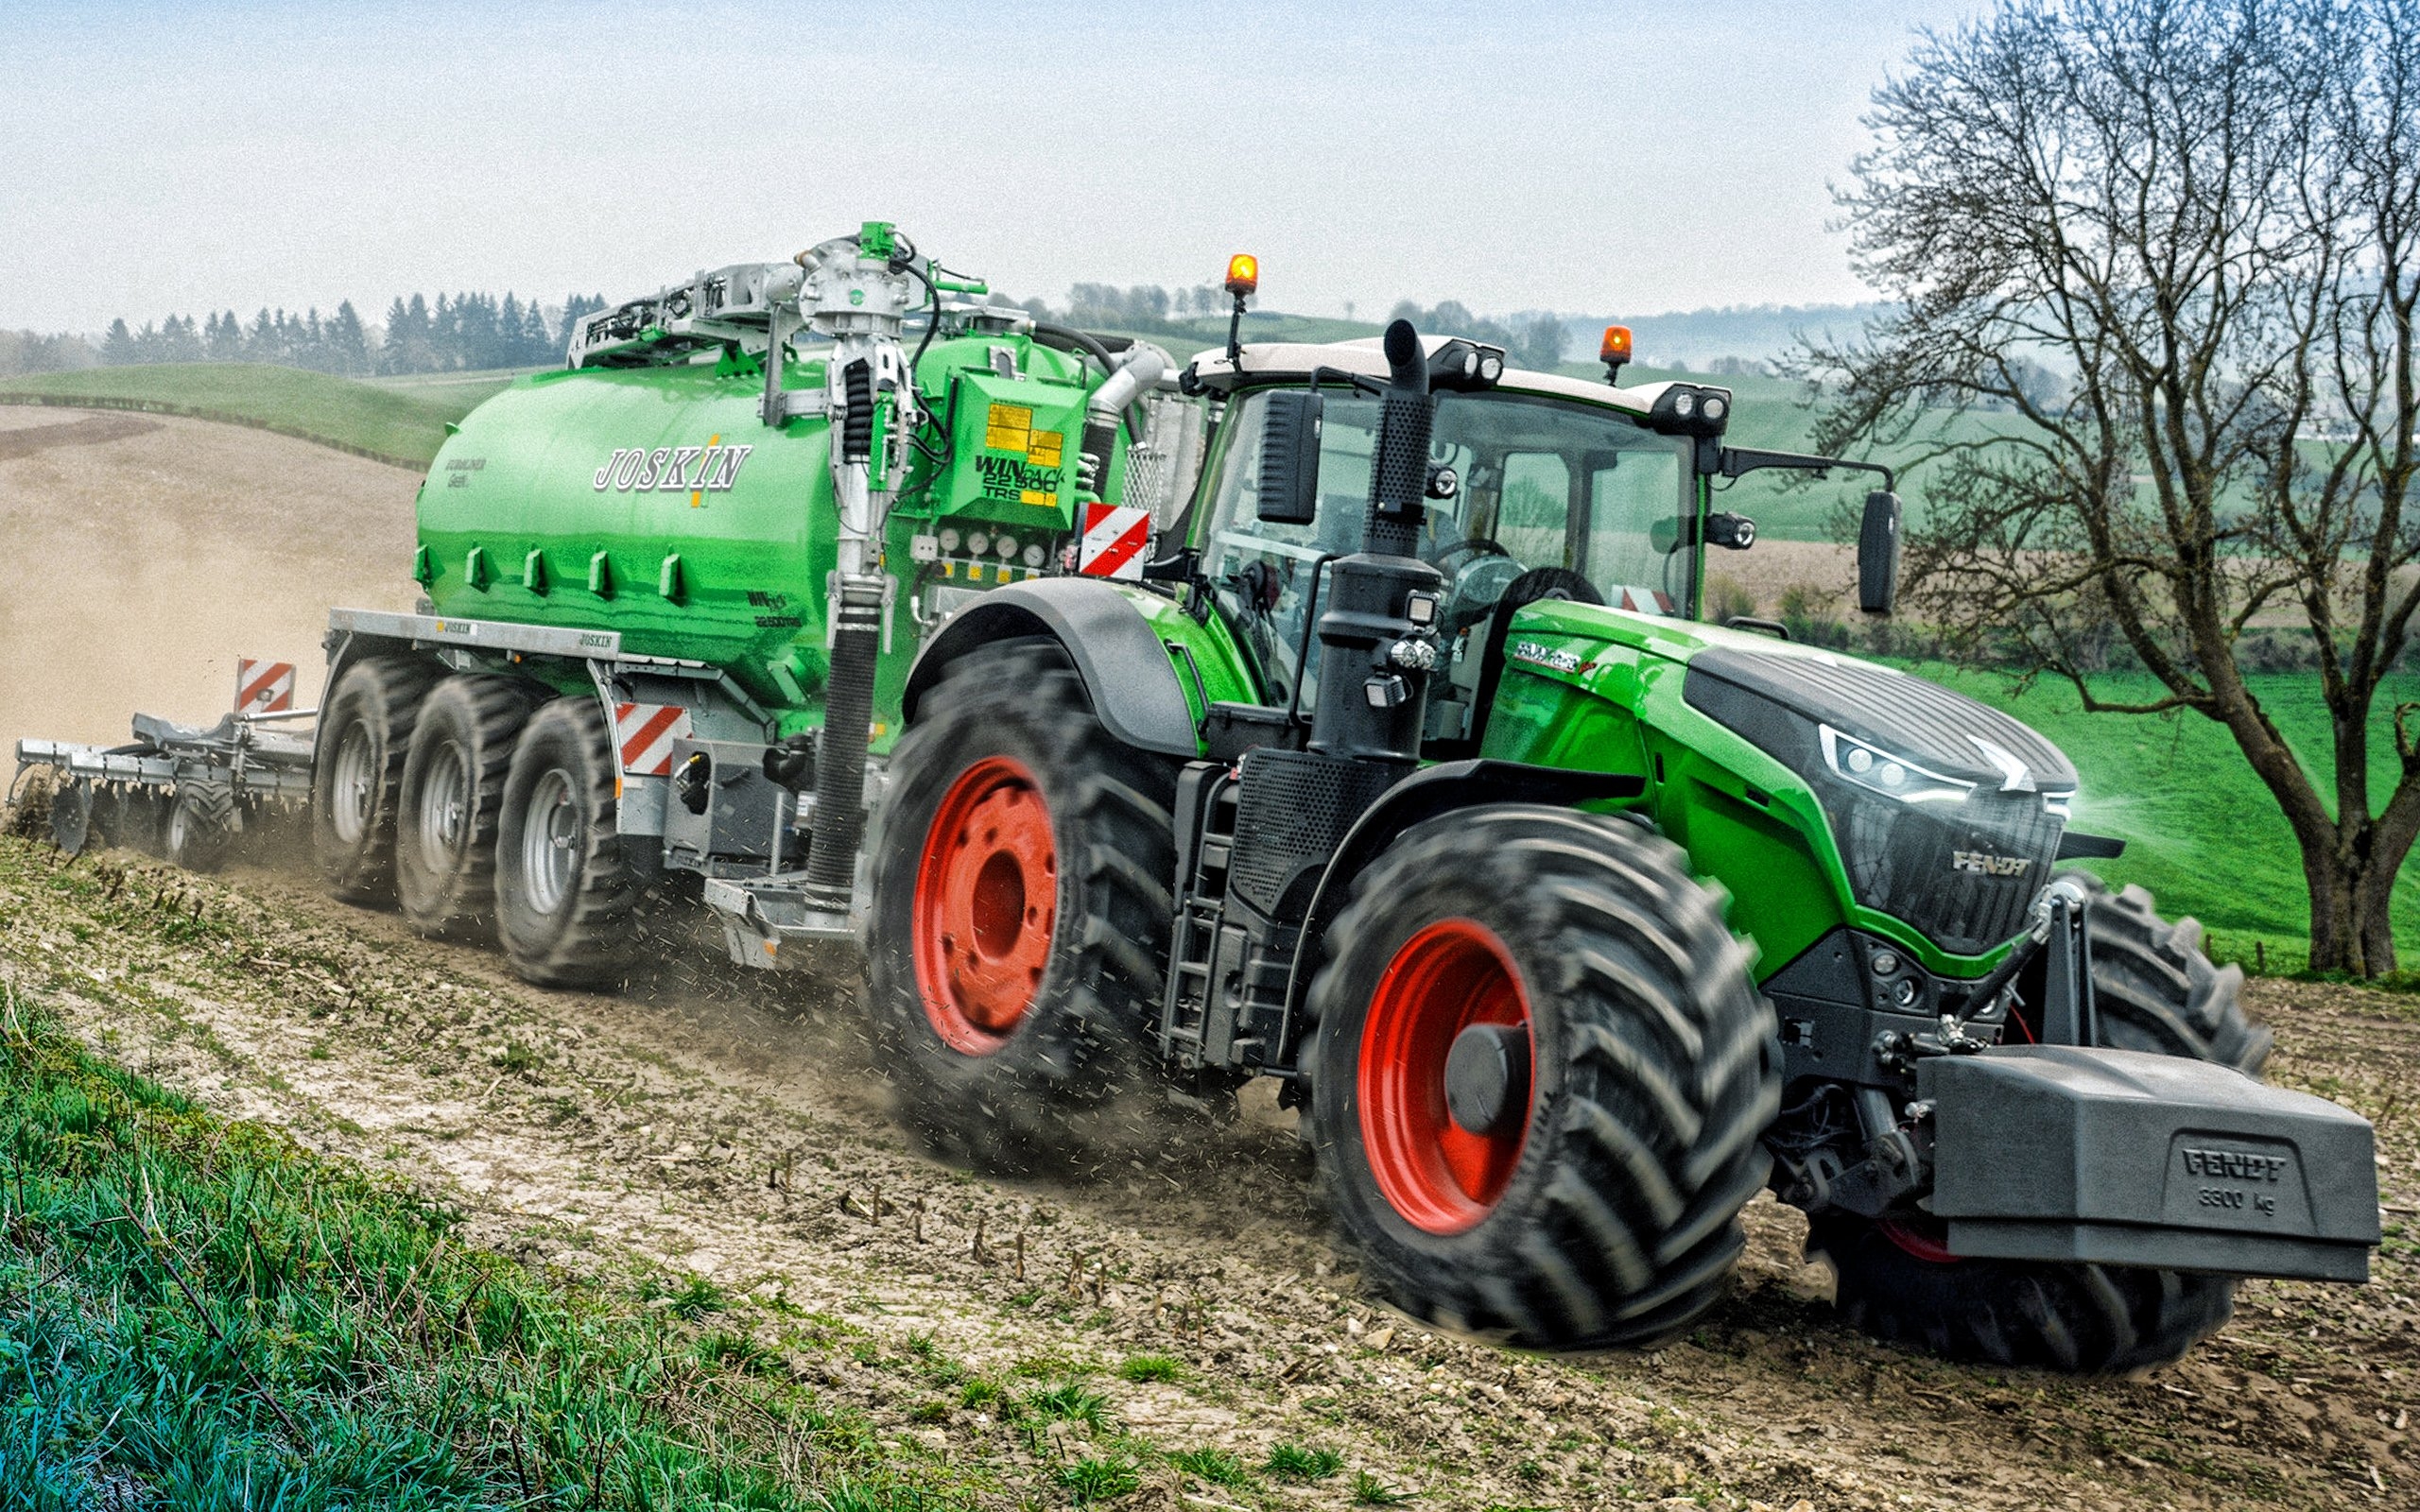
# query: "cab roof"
1364, 357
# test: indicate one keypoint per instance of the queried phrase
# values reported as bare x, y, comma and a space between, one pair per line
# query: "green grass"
1215, 1466
1293, 1462
1150, 1368
200, 1314
2201, 831
395, 422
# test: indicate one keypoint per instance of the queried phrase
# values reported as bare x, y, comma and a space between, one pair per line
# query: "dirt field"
146, 554
727, 1125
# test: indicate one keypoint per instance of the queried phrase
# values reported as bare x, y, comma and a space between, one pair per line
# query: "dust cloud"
141, 557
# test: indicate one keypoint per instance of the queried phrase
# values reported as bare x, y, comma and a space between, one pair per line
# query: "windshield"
1545, 482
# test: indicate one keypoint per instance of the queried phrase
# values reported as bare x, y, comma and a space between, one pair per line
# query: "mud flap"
2055, 1153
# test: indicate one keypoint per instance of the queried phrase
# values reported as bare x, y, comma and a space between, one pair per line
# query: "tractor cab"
1540, 485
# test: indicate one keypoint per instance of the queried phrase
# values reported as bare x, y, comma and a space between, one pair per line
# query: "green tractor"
1339, 715
1569, 923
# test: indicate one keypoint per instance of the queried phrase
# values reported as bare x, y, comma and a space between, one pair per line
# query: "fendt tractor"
1335, 714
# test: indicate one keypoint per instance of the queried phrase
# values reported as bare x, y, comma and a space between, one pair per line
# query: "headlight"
1878, 771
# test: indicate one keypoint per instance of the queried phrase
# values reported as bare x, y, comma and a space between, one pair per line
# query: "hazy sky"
1588, 158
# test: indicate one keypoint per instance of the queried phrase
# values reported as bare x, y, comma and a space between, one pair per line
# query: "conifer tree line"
458, 333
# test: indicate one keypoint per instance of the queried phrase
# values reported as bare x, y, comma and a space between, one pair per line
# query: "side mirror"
1290, 457
1877, 553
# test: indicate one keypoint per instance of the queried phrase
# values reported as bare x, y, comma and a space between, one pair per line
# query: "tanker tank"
644, 492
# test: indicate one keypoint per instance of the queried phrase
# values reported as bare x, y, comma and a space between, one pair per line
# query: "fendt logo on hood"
1984, 863
672, 469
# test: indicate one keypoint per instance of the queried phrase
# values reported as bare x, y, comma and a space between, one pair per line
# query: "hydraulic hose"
848, 714
856, 427
1067, 338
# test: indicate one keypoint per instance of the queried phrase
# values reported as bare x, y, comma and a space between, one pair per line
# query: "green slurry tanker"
1335, 713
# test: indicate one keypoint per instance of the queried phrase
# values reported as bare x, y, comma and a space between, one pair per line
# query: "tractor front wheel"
2159, 993
1021, 910
1540, 1077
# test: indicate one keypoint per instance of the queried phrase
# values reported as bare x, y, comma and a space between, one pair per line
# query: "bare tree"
2206, 217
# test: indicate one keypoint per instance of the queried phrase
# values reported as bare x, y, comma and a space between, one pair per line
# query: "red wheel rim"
1440, 1176
987, 898
1923, 1238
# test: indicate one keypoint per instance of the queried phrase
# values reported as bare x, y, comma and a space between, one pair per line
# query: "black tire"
71, 818
200, 828
364, 731
564, 924
2156, 992
991, 1068
451, 800
1652, 1071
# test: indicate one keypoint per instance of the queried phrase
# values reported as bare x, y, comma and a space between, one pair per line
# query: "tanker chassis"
1335, 713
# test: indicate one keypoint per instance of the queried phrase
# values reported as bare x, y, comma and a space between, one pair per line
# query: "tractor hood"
1948, 813
1930, 727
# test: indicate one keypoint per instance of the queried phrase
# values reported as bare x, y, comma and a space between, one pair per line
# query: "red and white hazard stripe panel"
645, 733
264, 687
1643, 601
1113, 541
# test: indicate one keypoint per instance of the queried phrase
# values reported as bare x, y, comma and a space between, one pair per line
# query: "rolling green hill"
399, 425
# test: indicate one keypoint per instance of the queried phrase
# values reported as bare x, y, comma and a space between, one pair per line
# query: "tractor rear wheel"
364, 731
451, 799
564, 893
2156, 992
1540, 1078
1021, 910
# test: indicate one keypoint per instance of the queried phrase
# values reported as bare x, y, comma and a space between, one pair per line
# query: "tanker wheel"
451, 800
2156, 992
1540, 1078
564, 890
364, 731
71, 816
200, 828
1021, 910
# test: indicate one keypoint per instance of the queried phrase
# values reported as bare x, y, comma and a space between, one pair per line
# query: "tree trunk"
2352, 888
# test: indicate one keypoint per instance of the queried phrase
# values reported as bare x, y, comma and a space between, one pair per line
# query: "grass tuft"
1295, 1462
1099, 1480
1069, 1401
1150, 1368
1216, 1465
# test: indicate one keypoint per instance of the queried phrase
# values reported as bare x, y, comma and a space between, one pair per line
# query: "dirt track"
726, 1125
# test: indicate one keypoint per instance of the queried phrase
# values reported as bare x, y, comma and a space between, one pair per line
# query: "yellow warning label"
1011, 418
997, 439
1035, 496
1043, 450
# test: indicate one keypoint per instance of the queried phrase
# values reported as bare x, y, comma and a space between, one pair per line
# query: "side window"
1264, 571
1532, 520
1630, 493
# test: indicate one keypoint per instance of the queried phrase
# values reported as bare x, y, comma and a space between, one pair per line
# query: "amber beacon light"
1243, 273
1613, 352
